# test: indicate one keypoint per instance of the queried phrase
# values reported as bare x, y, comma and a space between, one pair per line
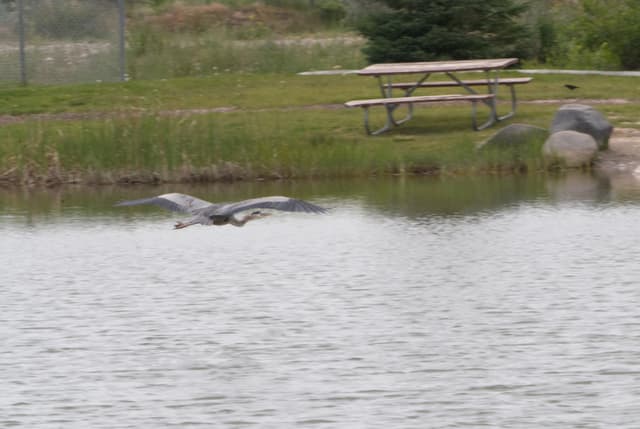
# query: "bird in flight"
206, 213
571, 87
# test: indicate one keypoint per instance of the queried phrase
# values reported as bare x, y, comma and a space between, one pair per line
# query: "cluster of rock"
574, 138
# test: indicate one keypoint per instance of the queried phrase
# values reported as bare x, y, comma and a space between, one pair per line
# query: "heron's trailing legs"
240, 222
225, 220
180, 225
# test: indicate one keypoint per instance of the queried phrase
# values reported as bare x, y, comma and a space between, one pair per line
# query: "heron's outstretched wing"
174, 202
276, 203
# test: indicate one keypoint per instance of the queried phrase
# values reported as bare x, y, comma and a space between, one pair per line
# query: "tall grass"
245, 145
163, 55
272, 133
194, 148
204, 38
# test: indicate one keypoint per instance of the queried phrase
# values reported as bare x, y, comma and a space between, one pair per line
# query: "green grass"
271, 134
272, 90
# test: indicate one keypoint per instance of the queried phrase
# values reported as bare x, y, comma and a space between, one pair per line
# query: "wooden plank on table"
436, 66
451, 83
417, 99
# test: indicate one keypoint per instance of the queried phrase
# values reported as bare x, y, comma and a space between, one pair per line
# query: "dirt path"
76, 116
623, 155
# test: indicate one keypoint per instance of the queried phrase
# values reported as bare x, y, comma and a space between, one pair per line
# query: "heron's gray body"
207, 213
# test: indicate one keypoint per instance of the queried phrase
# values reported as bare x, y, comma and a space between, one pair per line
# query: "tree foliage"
611, 25
419, 30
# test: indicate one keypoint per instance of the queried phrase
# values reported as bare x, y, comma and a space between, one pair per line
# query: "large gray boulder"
584, 119
570, 148
516, 135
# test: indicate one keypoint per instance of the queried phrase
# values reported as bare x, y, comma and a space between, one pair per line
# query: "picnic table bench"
393, 102
448, 68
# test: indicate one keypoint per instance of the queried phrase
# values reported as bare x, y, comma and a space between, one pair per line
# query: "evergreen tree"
422, 30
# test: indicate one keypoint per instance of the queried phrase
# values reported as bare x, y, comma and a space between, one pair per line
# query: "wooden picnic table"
385, 73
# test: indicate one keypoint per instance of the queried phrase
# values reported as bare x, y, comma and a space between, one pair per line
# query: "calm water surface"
463, 303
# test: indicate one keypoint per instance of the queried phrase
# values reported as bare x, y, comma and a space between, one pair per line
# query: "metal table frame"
491, 67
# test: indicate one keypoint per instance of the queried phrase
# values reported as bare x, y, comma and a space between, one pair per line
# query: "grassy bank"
280, 126
266, 91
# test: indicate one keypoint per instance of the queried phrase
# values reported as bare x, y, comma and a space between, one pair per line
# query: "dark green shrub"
414, 30
331, 11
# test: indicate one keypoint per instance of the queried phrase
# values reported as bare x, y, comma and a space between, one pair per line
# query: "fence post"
121, 41
23, 69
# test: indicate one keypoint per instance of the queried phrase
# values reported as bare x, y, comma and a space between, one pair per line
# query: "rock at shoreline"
570, 148
584, 119
516, 135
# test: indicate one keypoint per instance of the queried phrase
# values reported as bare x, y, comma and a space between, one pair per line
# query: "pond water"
459, 303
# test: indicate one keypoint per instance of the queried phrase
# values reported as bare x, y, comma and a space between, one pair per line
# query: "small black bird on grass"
571, 87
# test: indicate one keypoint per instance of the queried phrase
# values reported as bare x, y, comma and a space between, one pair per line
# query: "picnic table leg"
407, 93
387, 92
474, 121
387, 126
454, 78
492, 88
493, 84
513, 104
491, 103
392, 107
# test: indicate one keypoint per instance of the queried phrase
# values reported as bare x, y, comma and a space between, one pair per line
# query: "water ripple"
520, 317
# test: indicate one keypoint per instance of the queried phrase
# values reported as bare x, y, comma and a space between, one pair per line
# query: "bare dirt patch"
581, 101
623, 155
200, 18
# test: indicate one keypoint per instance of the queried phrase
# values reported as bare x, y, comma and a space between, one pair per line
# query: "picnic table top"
436, 66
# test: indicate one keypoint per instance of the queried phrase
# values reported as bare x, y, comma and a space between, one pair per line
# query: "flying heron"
206, 213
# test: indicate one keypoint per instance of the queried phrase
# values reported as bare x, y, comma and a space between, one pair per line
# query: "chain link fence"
61, 41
